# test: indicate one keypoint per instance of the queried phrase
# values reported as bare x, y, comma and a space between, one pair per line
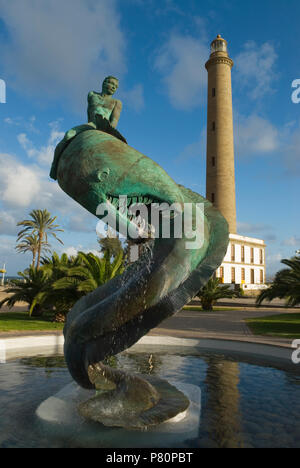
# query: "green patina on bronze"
103, 111
95, 167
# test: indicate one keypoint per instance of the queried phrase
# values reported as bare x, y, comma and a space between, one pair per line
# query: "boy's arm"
115, 115
89, 98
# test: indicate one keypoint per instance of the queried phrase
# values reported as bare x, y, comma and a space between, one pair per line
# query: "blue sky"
54, 52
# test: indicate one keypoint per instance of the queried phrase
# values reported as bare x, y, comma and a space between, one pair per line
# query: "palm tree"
286, 284
213, 291
57, 267
110, 243
92, 272
30, 243
41, 224
71, 278
32, 283
61, 281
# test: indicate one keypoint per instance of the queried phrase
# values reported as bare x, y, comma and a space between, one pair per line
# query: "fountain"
96, 167
186, 238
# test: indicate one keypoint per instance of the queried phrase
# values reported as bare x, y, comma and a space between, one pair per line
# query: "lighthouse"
244, 262
220, 178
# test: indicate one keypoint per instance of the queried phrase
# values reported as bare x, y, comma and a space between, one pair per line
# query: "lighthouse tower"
244, 262
220, 180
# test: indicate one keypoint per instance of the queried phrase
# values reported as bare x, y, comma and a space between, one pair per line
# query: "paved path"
225, 324
246, 302
228, 324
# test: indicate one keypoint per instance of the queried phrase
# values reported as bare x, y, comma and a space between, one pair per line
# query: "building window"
261, 256
252, 255
213, 126
252, 276
221, 277
213, 92
262, 276
213, 161
232, 252
233, 275
243, 275
213, 198
242, 254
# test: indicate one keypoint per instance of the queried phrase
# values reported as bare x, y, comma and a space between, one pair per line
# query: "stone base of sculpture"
130, 400
112, 409
59, 415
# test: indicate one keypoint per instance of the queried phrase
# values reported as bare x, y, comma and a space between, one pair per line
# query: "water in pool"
245, 403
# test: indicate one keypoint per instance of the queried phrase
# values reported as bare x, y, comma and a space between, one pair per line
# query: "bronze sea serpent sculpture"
95, 168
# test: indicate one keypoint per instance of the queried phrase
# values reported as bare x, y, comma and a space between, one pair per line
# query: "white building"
244, 262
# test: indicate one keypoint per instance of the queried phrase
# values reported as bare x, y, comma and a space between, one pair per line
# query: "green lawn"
20, 321
199, 308
283, 325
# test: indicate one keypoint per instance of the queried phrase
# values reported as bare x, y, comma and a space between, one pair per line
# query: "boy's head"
110, 85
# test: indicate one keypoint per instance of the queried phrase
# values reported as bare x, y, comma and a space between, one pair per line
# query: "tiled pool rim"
32, 345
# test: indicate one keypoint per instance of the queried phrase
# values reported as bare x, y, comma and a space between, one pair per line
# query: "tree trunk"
37, 311
39, 250
33, 259
207, 304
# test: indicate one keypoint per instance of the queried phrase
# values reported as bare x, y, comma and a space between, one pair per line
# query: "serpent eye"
102, 175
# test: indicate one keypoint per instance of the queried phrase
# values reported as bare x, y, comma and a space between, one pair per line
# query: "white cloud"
82, 222
19, 184
273, 262
134, 97
24, 141
30, 187
70, 251
255, 134
8, 224
73, 251
61, 47
44, 155
14, 261
194, 150
293, 241
252, 135
243, 227
26, 187
28, 124
255, 68
181, 62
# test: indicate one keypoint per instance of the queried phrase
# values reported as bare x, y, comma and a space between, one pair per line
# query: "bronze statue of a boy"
103, 110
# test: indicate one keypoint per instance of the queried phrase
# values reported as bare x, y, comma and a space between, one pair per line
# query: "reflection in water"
222, 379
141, 363
44, 361
245, 401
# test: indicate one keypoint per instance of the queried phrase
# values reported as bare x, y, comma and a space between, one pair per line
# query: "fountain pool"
246, 400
